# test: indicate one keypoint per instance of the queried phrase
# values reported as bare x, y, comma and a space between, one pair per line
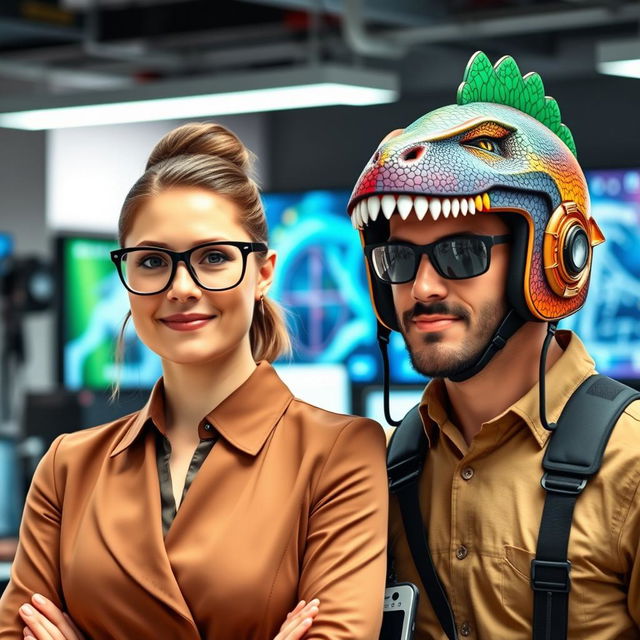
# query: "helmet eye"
576, 250
490, 145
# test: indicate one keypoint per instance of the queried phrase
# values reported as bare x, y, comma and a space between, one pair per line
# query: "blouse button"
462, 552
465, 629
467, 473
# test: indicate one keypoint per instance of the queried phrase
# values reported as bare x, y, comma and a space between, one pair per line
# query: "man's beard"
436, 361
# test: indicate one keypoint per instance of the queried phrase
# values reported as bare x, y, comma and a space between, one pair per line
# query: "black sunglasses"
214, 266
454, 257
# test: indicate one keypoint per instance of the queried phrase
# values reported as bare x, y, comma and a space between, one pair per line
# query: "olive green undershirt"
163, 454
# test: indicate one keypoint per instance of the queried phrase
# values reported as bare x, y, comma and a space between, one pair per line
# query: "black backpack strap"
406, 456
573, 455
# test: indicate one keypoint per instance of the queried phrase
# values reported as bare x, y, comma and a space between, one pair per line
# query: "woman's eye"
152, 262
215, 257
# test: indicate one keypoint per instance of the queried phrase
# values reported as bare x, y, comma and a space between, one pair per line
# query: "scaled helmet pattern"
501, 149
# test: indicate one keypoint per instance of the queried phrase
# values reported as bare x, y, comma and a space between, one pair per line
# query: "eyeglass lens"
453, 258
216, 267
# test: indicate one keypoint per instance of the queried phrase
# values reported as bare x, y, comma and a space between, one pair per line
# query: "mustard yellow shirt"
482, 506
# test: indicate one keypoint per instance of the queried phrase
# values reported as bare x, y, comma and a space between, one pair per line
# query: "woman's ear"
265, 274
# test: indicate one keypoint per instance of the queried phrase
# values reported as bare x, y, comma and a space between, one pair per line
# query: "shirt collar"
572, 368
245, 418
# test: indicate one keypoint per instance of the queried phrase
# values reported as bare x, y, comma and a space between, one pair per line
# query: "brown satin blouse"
290, 503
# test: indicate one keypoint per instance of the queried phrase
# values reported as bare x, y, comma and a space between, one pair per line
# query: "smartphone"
399, 614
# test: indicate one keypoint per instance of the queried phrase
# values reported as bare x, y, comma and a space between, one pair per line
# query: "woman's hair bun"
202, 138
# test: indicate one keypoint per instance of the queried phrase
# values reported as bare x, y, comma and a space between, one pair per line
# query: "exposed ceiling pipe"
395, 42
363, 42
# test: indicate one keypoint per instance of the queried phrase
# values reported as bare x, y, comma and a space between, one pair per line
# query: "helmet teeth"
421, 206
363, 212
388, 203
357, 221
369, 209
405, 204
373, 206
435, 208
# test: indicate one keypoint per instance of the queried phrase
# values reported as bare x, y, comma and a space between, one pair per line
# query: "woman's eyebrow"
164, 245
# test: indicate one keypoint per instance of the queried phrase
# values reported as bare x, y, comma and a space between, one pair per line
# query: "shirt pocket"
517, 595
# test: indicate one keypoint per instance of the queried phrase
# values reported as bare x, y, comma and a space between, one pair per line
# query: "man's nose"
183, 286
428, 283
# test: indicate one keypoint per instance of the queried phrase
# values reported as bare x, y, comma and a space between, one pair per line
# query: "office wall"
91, 169
329, 147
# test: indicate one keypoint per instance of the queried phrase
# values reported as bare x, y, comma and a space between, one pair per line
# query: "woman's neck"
193, 390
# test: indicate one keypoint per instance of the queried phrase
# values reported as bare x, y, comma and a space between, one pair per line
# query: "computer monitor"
11, 488
609, 322
6, 249
92, 306
321, 282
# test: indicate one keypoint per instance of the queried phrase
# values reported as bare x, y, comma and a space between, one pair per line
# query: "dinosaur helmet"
501, 149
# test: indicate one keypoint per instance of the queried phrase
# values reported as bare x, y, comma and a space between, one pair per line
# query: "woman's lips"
427, 324
186, 323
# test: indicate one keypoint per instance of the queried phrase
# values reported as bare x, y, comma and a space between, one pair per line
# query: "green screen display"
94, 305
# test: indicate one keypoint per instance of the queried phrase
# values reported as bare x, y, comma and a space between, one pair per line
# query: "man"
478, 238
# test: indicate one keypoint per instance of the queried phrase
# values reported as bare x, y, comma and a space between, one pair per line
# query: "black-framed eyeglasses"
453, 257
214, 266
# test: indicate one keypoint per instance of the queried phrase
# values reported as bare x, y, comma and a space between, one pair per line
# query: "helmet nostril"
415, 153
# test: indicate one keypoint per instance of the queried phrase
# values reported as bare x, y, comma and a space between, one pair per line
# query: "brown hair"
209, 156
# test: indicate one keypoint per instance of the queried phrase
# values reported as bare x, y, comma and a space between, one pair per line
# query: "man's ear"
391, 134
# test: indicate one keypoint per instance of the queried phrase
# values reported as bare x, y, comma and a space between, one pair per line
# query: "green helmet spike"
504, 84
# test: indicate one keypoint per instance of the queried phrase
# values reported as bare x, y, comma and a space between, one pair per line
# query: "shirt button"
207, 427
465, 629
462, 552
467, 473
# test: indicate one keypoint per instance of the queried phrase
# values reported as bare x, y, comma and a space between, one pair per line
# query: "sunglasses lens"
461, 257
394, 264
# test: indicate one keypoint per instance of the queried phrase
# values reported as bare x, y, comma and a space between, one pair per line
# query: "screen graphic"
94, 305
321, 281
609, 322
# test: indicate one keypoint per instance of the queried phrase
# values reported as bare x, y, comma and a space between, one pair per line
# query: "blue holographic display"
609, 322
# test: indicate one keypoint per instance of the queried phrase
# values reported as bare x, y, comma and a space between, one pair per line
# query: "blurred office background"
64, 174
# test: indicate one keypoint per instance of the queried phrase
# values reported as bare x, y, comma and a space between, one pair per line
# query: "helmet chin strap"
510, 324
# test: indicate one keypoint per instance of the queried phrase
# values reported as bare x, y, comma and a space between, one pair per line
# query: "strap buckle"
404, 472
550, 576
569, 485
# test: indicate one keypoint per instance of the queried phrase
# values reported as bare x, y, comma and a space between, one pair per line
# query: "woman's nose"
183, 286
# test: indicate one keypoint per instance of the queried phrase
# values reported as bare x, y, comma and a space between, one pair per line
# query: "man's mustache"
435, 308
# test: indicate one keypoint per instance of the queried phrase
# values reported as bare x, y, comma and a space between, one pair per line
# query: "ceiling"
55, 46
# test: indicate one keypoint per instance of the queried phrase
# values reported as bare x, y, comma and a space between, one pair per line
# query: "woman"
214, 509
